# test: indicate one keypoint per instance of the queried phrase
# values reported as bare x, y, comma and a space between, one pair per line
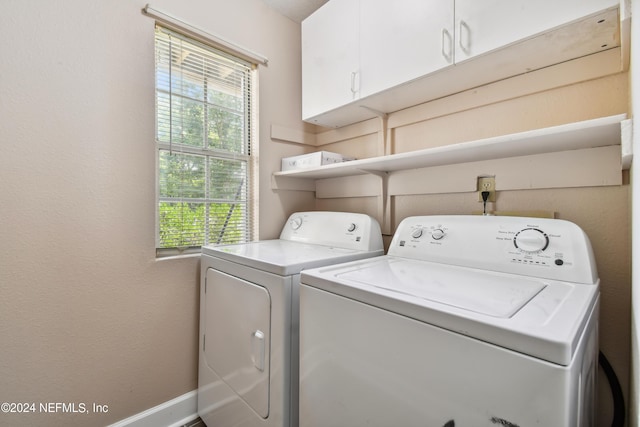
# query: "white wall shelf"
601, 132
601, 146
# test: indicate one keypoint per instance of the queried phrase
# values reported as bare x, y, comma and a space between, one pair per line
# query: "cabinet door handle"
447, 45
464, 42
354, 87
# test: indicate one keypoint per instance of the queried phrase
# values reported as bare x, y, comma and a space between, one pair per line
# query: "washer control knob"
295, 222
352, 227
531, 240
417, 233
437, 234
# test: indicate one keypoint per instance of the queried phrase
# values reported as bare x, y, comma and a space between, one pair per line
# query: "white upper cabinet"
483, 26
365, 57
402, 40
330, 58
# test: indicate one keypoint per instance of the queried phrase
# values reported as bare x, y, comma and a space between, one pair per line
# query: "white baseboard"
172, 413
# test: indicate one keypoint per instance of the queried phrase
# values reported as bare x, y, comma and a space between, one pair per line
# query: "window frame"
209, 154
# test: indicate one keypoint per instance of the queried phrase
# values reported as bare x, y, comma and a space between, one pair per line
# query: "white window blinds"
203, 134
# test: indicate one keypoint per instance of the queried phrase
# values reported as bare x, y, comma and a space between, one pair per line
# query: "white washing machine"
248, 363
468, 321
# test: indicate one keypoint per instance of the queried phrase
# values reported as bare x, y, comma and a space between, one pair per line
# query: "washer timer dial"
531, 240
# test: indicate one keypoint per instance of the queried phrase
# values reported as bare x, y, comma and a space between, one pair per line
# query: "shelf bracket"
383, 148
384, 201
376, 112
626, 143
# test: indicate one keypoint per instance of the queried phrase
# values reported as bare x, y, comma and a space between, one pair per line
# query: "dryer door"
237, 336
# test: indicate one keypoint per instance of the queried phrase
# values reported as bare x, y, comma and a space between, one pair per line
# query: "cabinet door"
482, 26
402, 40
330, 57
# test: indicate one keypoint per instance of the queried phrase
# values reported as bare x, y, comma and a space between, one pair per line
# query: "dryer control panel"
539, 247
339, 229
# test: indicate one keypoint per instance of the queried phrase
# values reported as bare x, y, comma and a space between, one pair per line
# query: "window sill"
169, 254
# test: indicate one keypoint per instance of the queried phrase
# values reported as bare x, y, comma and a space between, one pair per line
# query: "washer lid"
492, 295
538, 317
285, 257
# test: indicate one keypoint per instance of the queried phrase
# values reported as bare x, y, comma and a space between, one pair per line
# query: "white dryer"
248, 358
468, 321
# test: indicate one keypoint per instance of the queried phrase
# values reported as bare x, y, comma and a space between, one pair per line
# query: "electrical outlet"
487, 183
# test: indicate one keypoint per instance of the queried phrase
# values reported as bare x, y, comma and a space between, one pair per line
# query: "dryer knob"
295, 222
417, 233
437, 234
352, 227
531, 240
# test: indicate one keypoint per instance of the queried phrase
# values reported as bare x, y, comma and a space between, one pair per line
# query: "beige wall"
541, 99
87, 313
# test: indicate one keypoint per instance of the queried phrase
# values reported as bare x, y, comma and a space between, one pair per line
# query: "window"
204, 139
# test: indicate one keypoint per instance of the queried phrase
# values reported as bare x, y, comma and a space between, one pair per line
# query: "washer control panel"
539, 247
338, 229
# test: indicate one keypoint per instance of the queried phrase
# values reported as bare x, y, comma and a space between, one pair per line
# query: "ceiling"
295, 10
